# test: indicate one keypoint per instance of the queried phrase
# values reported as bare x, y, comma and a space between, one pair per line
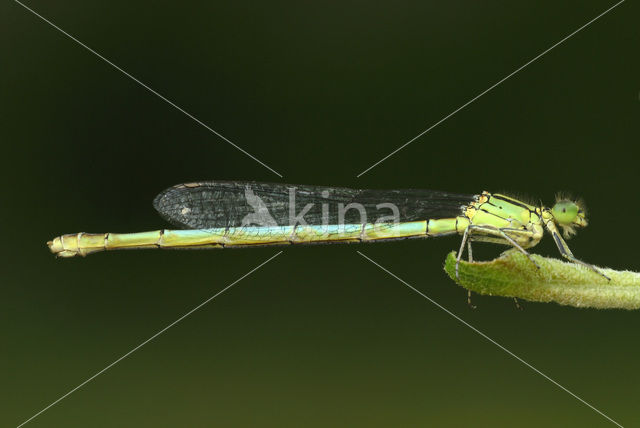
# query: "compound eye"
565, 212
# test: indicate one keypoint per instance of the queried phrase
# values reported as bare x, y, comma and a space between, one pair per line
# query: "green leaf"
513, 275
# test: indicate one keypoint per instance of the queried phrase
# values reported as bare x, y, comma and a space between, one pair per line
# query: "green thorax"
521, 220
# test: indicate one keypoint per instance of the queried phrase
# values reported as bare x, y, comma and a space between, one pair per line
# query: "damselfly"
220, 214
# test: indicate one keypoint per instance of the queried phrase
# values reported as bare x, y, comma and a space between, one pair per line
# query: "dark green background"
318, 91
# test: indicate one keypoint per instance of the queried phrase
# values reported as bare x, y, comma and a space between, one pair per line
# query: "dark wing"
241, 203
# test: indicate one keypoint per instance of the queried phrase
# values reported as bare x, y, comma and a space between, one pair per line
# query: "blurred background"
319, 92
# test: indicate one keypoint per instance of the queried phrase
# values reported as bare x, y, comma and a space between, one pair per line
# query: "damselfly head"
569, 215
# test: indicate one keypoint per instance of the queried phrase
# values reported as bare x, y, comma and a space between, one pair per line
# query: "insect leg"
567, 254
